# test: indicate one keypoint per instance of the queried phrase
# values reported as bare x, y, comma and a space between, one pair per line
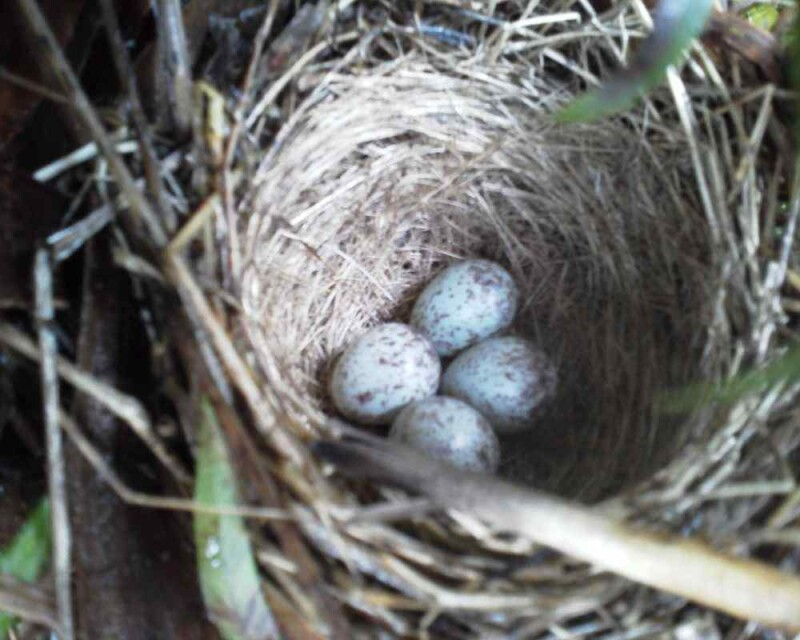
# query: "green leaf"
675, 25
785, 369
26, 555
226, 567
762, 15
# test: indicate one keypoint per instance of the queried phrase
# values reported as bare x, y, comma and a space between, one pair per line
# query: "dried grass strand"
131, 496
56, 467
84, 110
743, 588
124, 406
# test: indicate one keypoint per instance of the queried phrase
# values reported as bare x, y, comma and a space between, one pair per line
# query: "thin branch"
57, 486
33, 87
180, 276
175, 63
387, 511
131, 496
83, 154
280, 84
88, 117
123, 406
741, 587
151, 163
67, 241
197, 307
193, 225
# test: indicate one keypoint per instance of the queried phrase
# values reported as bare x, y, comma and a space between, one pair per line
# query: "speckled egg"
449, 430
507, 379
388, 367
465, 303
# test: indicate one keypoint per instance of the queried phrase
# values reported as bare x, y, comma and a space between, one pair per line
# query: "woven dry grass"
649, 256
411, 167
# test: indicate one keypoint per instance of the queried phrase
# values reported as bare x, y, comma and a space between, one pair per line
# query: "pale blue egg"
467, 302
449, 430
388, 367
507, 379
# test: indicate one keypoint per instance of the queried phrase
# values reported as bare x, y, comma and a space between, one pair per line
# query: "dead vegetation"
367, 145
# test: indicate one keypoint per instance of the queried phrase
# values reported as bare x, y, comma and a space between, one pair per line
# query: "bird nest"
646, 248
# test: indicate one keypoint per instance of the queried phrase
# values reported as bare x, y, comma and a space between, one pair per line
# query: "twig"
791, 226
131, 496
67, 241
197, 306
151, 163
688, 121
184, 235
178, 273
740, 587
280, 84
88, 117
48, 349
33, 87
194, 224
125, 259
83, 154
776, 270
387, 511
204, 345
123, 406
175, 63
784, 514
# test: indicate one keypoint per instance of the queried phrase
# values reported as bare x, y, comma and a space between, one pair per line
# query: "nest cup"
409, 168
625, 238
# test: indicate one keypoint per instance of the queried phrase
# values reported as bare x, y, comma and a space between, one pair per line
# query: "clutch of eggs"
495, 384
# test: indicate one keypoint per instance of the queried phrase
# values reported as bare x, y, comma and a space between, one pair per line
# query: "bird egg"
507, 379
465, 303
388, 367
449, 430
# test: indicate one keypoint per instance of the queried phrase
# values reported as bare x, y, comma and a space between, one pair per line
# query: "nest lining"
408, 168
